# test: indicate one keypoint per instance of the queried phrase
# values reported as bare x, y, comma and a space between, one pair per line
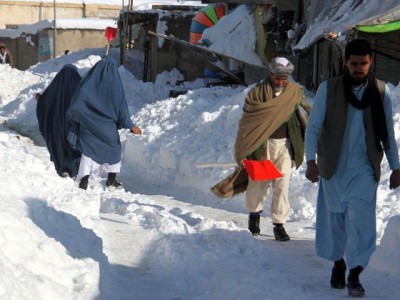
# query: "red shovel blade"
261, 170
110, 34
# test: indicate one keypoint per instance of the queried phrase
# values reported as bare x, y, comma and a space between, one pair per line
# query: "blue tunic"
346, 202
98, 110
54, 125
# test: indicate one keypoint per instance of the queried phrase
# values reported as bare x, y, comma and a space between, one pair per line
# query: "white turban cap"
281, 66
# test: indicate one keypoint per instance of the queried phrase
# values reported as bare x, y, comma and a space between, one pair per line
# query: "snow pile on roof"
237, 30
339, 16
95, 24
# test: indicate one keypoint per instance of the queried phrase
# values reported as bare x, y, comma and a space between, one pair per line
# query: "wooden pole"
216, 165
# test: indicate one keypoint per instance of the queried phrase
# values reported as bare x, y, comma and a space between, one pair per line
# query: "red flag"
110, 34
261, 170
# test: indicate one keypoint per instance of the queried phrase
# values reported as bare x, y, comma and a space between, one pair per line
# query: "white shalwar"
88, 166
346, 220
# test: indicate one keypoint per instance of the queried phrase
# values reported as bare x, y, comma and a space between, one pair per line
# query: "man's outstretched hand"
136, 130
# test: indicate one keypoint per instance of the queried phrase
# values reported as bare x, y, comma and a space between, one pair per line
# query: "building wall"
77, 39
17, 13
264, 17
324, 60
321, 61
160, 54
174, 55
25, 54
386, 63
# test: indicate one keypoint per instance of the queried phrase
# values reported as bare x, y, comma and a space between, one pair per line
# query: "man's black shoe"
113, 183
254, 223
355, 289
84, 182
280, 233
353, 283
338, 277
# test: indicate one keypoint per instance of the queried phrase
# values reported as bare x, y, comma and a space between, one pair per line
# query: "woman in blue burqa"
98, 110
53, 124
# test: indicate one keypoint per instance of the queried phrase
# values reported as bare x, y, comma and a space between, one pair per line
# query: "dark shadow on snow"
81, 242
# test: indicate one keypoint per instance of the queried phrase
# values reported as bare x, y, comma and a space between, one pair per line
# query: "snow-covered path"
143, 246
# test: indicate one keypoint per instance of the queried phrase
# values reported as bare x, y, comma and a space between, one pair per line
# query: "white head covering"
281, 66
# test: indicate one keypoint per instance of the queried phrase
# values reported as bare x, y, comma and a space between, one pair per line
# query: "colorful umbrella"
206, 17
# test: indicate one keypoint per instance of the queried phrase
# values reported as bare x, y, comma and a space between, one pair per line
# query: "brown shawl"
262, 115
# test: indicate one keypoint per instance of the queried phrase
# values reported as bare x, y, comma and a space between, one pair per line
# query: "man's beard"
356, 82
278, 89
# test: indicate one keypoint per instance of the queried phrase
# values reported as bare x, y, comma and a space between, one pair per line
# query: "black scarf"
371, 97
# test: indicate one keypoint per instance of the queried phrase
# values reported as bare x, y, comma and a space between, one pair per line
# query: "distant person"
98, 110
270, 129
54, 126
5, 57
66, 52
350, 127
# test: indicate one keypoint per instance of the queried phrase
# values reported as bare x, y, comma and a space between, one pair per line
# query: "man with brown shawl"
271, 128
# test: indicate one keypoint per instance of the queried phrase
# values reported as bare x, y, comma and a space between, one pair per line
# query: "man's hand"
312, 173
136, 130
394, 179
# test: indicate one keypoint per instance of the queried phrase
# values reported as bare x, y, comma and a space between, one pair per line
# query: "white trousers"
88, 166
257, 191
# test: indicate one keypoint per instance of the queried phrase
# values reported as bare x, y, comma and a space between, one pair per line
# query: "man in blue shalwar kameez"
98, 110
350, 127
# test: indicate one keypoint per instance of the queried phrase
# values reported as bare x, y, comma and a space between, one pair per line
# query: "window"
10, 26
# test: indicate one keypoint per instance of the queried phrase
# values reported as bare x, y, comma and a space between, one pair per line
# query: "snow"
165, 236
231, 30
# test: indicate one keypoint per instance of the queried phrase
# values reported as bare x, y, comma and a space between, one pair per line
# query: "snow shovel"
261, 169
110, 34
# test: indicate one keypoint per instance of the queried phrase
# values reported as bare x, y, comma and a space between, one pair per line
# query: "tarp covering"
385, 22
98, 110
339, 16
381, 28
53, 124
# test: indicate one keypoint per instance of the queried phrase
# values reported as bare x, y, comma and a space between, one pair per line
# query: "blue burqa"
98, 110
53, 124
